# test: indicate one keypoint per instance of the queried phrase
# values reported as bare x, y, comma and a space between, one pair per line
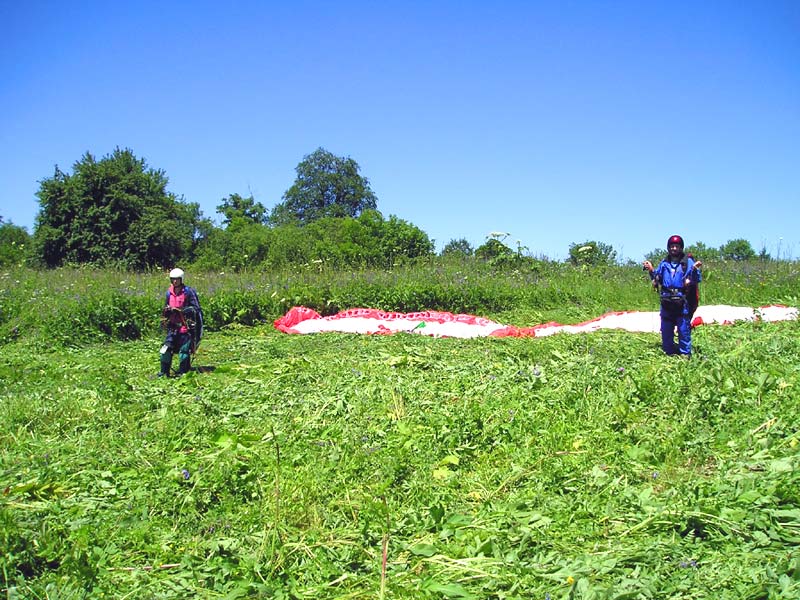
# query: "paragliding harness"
190, 318
673, 296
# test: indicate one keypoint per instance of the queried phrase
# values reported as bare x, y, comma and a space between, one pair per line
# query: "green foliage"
737, 250
341, 466
235, 208
492, 249
73, 307
326, 186
698, 250
592, 254
500, 257
14, 244
702, 252
343, 243
113, 211
289, 246
401, 240
366, 241
459, 247
241, 245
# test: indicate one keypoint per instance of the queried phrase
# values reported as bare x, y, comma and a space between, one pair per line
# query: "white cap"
176, 273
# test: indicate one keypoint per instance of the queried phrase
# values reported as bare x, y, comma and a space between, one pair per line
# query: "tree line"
117, 211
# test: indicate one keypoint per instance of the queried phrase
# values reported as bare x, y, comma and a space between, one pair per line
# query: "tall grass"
73, 307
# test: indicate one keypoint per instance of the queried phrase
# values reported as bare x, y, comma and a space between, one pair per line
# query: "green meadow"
583, 466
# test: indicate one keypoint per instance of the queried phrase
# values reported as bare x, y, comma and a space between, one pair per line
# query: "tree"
326, 186
401, 239
242, 245
737, 250
492, 249
368, 240
289, 245
698, 250
592, 253
701, 251
115, 210
342, 243
458, 247
14, 241
235, 207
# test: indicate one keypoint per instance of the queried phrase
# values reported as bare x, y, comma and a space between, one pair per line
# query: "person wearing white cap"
183, 320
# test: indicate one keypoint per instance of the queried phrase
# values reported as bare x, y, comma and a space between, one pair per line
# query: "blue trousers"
672, 319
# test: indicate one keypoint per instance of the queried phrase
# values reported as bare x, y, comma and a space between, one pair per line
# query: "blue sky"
557, 122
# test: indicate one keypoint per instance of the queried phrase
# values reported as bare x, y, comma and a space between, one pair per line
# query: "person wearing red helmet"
676, 279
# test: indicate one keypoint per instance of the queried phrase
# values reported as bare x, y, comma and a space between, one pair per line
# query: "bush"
14, 244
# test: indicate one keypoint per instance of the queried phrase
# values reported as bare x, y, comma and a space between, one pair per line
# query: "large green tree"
458, 247
738, 249
326, 186
592, 253
698, 250
401, 240
114, 210
240, 245
236, 207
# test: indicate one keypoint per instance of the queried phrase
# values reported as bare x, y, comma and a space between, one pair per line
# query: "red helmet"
675, 239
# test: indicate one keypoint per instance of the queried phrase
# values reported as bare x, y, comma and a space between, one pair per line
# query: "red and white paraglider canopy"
301, 320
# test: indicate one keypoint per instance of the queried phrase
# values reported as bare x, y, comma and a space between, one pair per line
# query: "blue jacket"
675, 278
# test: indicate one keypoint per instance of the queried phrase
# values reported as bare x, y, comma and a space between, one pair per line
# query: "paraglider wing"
302, 320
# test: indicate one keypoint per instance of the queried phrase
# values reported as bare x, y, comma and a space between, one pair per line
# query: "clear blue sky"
619, 121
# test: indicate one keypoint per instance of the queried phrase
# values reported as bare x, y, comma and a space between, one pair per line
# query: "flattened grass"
585, 466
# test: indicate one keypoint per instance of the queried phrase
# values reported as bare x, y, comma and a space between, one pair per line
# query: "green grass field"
345, 466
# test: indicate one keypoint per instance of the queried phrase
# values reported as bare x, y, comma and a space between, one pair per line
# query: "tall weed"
71, 307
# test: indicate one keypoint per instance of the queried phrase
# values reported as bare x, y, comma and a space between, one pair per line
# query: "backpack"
192, 317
